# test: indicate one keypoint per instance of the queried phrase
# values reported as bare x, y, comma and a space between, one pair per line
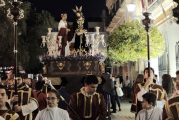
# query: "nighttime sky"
91, 8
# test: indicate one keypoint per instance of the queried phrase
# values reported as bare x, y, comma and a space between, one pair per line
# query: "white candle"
15, 0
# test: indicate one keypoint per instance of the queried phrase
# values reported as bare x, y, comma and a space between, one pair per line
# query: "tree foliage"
37, 26
6, 38
129, 42
30, 29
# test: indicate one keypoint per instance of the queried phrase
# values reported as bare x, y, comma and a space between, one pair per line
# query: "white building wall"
170, 31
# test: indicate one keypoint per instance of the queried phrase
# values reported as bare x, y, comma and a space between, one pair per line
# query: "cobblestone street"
125, 114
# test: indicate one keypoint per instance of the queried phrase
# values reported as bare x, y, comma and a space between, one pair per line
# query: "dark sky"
91, 8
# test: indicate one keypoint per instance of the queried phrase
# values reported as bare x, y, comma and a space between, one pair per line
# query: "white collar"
52, 108
82, 90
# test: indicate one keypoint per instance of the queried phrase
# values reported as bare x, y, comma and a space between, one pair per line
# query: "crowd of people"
22, 99
151, 101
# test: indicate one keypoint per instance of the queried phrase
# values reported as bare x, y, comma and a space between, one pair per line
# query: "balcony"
113, 13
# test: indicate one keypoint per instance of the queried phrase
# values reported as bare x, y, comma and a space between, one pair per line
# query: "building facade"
162, 17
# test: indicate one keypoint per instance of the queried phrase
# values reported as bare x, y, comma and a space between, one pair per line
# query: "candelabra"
94, 40
2, 3
15, 14
146, 22
54, 46
50, 40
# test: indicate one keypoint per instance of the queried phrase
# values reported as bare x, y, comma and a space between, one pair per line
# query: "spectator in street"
149, 111
113, 94
175, 82
101, 90
170, 110
108, 87
52, 112
87, 104
167, 84
127, 87
139, 79
119, 92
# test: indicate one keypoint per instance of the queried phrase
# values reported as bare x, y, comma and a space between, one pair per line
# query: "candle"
15, 0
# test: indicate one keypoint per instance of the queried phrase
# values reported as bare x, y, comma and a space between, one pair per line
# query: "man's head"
90, 83
149, 100
19, 80
9, 74
52, 98
3, 96
10, 82
64, 16
146, 73
28, 81
167, 84
10, 78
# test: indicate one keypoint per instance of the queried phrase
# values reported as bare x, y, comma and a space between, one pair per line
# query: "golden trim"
61, 65
22, 95
87, 64
14, 117
157, 89
99, 99
158, 94
169, 114
85, 112
163, 95
11, 93
8, 114
174, 104
77, 97
30, 93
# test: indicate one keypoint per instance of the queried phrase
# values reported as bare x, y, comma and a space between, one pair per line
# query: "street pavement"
125, 114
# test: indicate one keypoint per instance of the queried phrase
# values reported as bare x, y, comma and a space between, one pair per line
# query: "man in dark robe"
23, 102
171, 108
88, 104
147, 85
5, 111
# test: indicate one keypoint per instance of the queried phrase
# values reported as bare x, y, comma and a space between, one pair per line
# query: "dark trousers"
115, 99
127, 92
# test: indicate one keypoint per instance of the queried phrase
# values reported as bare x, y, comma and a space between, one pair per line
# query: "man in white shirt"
63, 32
52, 112
149, 111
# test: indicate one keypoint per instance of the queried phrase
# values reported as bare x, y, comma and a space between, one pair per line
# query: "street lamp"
146, 22
15, 14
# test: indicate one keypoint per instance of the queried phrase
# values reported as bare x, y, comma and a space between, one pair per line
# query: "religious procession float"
83, 53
